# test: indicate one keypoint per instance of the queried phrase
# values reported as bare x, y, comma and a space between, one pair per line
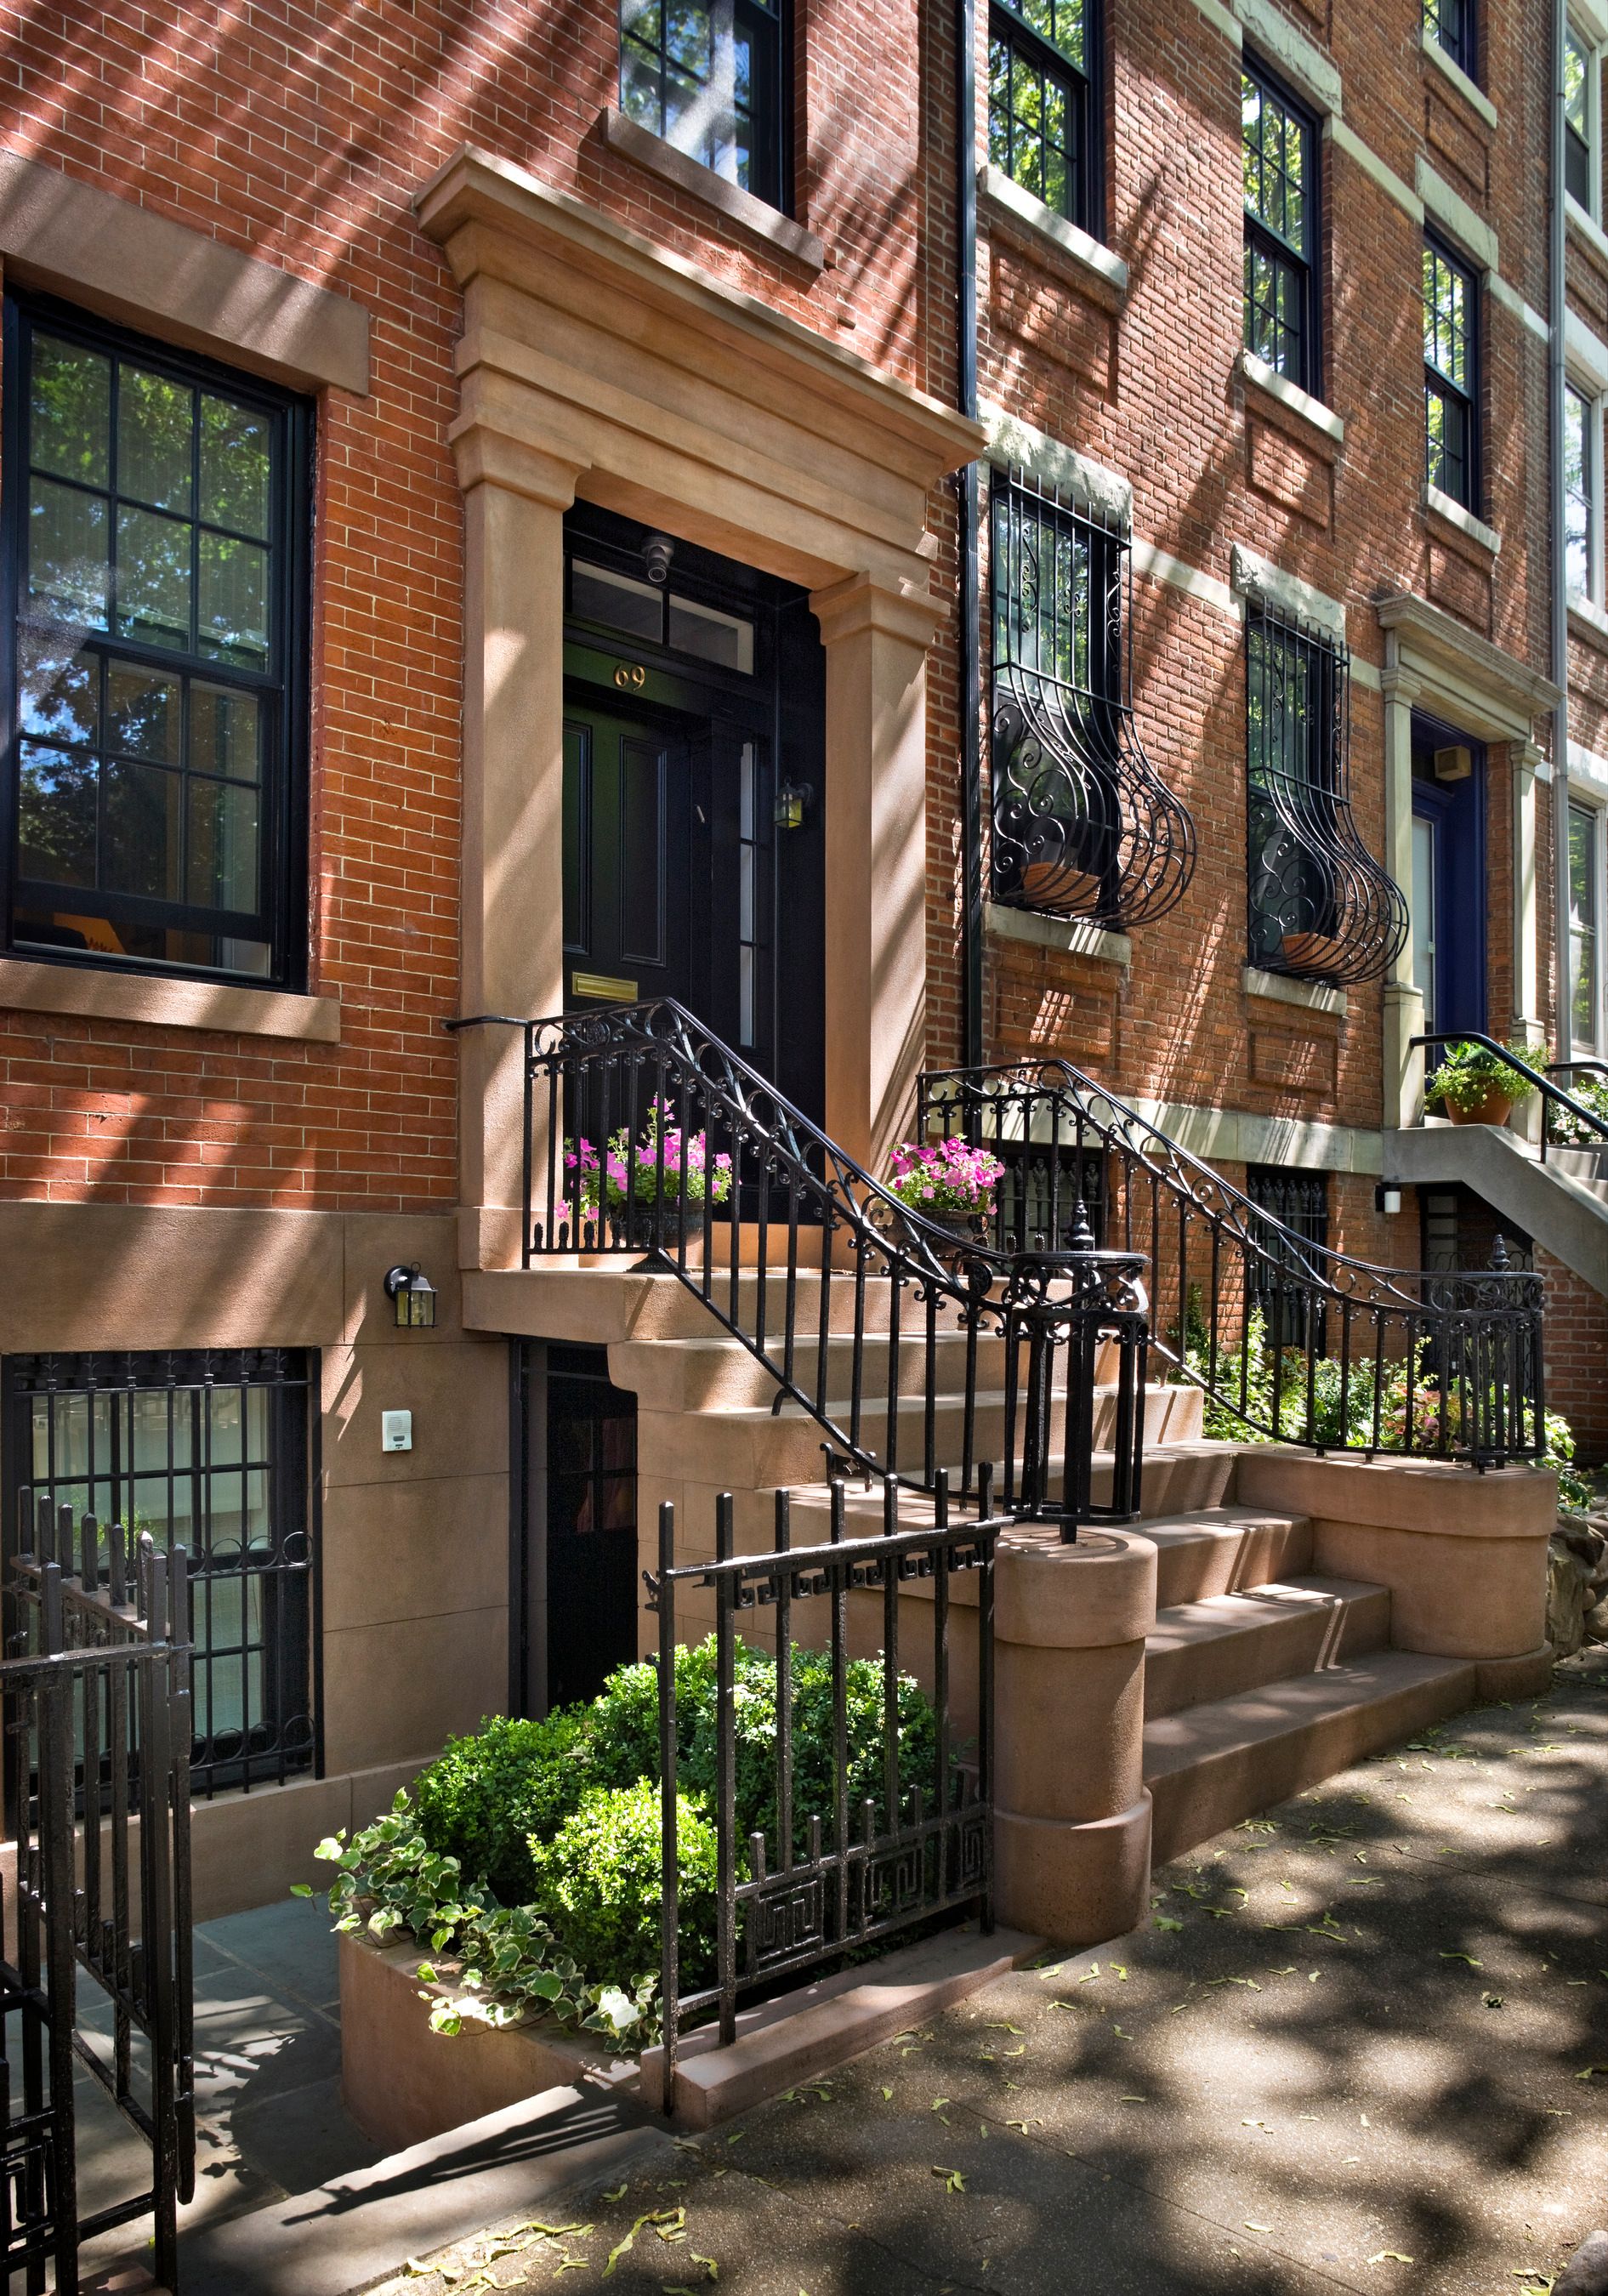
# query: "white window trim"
1587, 32
1585, 387
1591, 803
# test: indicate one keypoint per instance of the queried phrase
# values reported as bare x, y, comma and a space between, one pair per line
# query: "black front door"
629, 863
591, 1524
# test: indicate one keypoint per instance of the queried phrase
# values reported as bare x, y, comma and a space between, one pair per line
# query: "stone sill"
1072, 936
1474, 97
1283, 988
1052, 236
1451, 512
1326, 425
729, 200
1581, 227
34, 986
1588, 621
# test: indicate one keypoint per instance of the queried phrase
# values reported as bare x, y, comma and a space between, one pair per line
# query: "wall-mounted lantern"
791, 799
414, 1297
1387, 1198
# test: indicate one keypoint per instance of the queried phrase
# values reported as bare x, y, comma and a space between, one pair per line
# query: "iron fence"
906, 1836
95, 1708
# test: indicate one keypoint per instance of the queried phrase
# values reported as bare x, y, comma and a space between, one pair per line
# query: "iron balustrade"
827, 1880
1558, 1106
1384, 1361
95, 1699
913, 1347
1084, 826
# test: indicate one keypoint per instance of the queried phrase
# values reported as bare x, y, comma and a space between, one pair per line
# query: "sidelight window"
1084, 826
1585, 952
1041, 123
1321, 906
1451, 368
156, 534
1278, 146
206, 1450
708, 76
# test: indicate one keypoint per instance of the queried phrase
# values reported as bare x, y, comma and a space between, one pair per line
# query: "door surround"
596, 365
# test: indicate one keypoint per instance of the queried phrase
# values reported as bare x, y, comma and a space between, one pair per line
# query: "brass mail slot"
603, 985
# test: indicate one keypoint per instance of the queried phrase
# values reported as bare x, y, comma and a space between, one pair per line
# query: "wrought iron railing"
95, 1708
913, 1347
1084, 826
904, 1830
1321, 907
1566, 1119
1291, 1340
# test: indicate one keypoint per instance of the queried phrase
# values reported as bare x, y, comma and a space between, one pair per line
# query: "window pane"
153, 578
1578, 492
1275, 158
141, 853
234, 603
155, 435
1577, 108
67, 568
69, 411
1583, 867
222, 850
224, 732
56, 822
57, 688
144, 713
233, 465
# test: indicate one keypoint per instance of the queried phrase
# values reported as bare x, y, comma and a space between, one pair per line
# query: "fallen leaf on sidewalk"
1390, 2256
1464, 1956
953, 2182
1252, 2226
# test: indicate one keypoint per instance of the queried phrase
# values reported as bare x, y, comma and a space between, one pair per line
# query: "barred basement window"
1297, 1205
207, 1450
156, 532
1450, 24
1451, 375
1278, 144
709, 76
1084, 826
1321, 906
1041, 126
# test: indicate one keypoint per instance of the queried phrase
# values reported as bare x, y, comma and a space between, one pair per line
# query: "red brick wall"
1577, 1358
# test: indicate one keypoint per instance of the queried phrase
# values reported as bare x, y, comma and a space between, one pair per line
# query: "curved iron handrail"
1084, 826
1355, 1355
1552, 1095
1027, 1325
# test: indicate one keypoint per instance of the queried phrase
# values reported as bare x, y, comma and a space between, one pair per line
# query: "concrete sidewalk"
1364, 2046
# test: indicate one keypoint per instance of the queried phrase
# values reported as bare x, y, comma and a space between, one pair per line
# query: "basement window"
1294, 1236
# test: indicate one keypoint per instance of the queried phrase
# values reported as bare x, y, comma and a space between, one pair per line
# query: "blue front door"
1449, 894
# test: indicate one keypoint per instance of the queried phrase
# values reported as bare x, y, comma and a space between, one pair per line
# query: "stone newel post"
1073, 1817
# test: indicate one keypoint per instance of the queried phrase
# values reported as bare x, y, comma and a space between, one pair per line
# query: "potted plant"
947, 1181
1476, 1086
690, 1174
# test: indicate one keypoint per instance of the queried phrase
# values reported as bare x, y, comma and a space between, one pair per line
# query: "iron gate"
94, 1716
869, 1841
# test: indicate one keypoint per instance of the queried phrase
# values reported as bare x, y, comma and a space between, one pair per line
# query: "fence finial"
1499, 1259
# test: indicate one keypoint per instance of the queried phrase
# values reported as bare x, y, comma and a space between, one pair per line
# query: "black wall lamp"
791, 799
414, 1296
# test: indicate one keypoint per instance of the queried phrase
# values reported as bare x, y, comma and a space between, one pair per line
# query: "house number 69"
630, 674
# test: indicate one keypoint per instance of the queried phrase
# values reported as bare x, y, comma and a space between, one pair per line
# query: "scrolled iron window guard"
1320, 906
1084, 826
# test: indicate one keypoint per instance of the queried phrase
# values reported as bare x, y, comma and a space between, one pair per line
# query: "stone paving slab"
1348, 2053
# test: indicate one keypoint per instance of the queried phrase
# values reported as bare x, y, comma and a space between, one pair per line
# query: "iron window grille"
156, 537
711, 77
1450, 24
205, 1449
1451, 375
1084, 826
1321, 906
1578, 110
1278, 146
1295, 1239
1042, 129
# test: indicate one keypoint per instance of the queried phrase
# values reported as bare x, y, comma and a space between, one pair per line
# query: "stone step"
1224, 1643
1212, 1765
1224, 1550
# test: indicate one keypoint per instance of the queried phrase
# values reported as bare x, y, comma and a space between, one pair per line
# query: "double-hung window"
711, 77
1451, 375
1278, 145
1583, 494
1041, 117
1450, 24
1585, 928
156, 530
1581, 109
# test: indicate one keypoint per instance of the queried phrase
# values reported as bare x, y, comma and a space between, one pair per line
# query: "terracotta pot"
1493, 1108
1313, 952
1056, 885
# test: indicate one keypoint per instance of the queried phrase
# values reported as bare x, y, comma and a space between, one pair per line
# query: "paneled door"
628, 860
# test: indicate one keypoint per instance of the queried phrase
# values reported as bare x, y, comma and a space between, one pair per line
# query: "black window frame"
1009, 30
1301, 263
284, 1582
285, 688
770, 109
1577, 147
1465, 400
1454, 27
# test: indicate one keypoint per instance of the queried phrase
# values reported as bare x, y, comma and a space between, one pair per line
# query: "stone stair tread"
1175, 1742
1253, 1607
